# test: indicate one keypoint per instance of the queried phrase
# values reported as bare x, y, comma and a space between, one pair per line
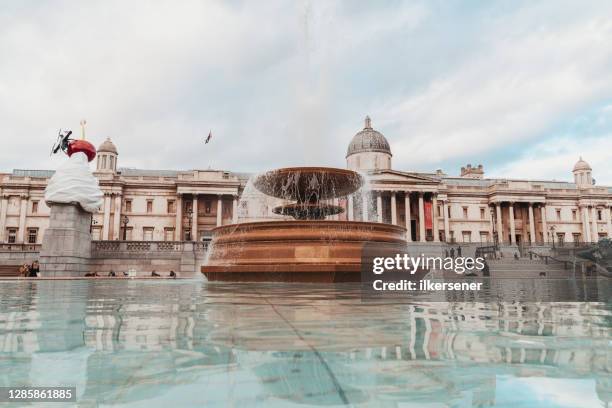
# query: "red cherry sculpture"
82, 146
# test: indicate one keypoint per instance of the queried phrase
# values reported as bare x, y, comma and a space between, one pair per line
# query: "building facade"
160, 205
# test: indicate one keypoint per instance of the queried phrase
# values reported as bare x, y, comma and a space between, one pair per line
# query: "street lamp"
92, 223
552, 235
125, 221
189, 218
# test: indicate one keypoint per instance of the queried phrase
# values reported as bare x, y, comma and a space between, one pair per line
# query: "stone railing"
20, 247
108, 247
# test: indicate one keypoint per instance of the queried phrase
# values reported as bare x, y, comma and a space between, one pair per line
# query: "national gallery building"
156, 205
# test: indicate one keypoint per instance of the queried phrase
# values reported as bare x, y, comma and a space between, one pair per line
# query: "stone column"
23, 211
379, 214
349, 209
219, 210
117, 218
407, 215
235, 210
609, 218
434, 217
532, 236
586, 231
178, 223
595, 237
544, 224
3, 209
447, 234
364, 206
512, 227
106, 219
421, 219
194, 218
393, 208
500, 231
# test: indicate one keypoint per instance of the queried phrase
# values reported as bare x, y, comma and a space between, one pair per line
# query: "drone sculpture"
70, 146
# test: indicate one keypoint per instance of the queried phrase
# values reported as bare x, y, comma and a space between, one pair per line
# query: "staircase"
529, 268
9, 271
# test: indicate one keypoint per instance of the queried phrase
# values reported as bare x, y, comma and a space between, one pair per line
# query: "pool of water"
192, 343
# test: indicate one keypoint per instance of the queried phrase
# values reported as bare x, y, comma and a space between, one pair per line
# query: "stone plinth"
66, 246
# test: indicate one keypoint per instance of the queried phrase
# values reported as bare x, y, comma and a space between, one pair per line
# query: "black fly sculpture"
63, 140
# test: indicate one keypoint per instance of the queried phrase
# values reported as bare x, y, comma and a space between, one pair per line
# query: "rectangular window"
171, 207
12, 235
34, 207
168, 234
207, 206
484, 236
149, 206
574, 215
599, 217
467, 236
482, 213
128, 205
449, 211
465, 212
128, 233
147, 233
558, 211
32, 235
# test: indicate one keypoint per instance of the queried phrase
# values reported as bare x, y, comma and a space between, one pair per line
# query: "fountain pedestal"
66, 245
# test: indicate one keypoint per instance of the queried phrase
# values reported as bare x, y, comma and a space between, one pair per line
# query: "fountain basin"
296, 251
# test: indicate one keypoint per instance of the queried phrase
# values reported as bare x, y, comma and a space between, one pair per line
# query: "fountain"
308, 248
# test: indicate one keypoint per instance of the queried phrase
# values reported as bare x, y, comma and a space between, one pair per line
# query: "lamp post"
92, 223
189, 218
124, 221
552, 235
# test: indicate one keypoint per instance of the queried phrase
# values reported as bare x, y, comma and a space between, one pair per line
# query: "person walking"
459, 251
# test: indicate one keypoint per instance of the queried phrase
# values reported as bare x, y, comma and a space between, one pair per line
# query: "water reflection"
193, 343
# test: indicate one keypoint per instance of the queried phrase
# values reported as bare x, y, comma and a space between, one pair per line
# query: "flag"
208, 137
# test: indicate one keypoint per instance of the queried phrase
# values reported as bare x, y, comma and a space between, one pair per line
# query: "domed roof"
368, 140
107, 146
581, 165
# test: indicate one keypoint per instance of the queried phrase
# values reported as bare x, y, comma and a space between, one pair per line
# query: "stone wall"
182, 257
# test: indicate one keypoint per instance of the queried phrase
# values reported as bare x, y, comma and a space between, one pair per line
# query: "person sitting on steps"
155, 274
34, 269
172, 275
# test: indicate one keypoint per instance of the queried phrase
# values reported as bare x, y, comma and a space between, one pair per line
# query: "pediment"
394, 176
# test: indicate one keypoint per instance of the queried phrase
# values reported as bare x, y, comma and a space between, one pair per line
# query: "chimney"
476, 172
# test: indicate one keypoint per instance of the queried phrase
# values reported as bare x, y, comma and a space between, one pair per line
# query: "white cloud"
534, 68
555, 158
288, 83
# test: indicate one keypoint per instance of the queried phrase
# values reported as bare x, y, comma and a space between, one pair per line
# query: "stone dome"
368, 140
107, 146
581, 165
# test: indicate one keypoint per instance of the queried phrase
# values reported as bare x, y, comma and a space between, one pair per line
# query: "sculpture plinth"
66, 246
307, 249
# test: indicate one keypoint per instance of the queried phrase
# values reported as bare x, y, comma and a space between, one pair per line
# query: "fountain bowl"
308, 184
297, 250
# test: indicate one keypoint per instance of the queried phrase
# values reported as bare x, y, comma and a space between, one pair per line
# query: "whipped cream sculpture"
73, 182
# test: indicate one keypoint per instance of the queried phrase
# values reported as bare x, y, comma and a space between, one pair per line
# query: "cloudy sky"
522, 87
